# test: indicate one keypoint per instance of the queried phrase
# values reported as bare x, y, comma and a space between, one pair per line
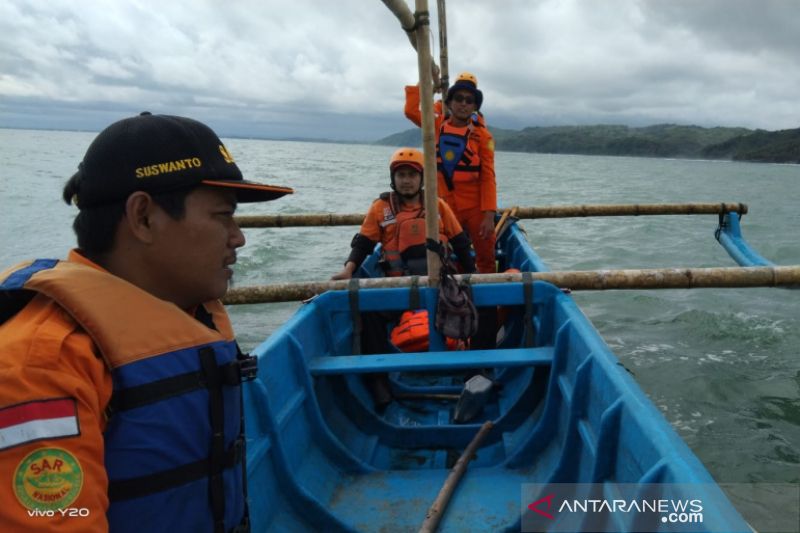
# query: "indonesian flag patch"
37, 420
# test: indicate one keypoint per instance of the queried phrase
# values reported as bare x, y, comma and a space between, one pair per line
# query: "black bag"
456, 315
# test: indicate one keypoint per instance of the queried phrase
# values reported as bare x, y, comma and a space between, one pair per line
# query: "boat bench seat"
425, 361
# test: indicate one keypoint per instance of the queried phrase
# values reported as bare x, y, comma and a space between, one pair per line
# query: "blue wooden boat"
320, 458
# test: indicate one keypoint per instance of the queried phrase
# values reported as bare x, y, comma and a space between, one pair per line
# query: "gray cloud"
337, 69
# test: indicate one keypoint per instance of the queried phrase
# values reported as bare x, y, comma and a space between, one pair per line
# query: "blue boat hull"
321, 459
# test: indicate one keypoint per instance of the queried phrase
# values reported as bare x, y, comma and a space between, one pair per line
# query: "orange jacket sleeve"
487, 178
413, 111
371, 227
53, 393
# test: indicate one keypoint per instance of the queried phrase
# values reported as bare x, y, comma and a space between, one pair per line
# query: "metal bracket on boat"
240, 370
722, 214
722, 224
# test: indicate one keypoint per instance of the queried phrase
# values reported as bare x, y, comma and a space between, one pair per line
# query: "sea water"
722, 365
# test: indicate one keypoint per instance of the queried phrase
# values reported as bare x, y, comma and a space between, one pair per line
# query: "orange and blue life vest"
455, 158
174, 441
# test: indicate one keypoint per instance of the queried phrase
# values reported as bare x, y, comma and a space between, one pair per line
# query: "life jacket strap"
231, 374
216, 483
413, 293
126, 489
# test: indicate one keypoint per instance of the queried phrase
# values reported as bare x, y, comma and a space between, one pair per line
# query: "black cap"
160, 153
465, 85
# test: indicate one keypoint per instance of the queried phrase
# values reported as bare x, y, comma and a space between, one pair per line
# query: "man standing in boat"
120, 379
397, 221
465, 162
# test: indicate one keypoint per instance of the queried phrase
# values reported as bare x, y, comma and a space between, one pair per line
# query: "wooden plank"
429, 361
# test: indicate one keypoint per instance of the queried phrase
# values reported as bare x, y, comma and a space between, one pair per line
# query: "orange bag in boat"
411, 332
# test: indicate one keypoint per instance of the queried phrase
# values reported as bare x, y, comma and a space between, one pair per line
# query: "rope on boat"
556, 211
436, 510
592, 280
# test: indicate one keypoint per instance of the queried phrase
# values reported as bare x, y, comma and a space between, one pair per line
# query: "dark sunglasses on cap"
464, 99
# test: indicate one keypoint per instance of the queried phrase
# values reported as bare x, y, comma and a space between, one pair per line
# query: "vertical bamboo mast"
428, 139
444, 74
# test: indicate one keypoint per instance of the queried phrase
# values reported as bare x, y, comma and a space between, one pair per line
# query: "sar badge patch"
48, 478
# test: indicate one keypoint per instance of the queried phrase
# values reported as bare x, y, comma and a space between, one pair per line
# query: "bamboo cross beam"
556, 211
576, 280
613, 210
310, 219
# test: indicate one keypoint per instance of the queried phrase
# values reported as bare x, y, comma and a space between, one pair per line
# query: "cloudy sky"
336, 68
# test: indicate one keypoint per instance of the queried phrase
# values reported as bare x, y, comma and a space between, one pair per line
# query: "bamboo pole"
444, 75
555, 211
407, 22
300, 220
406, 18
630, 210
592, 280
439, 505
428, 137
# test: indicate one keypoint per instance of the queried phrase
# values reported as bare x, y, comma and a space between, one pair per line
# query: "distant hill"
661, 140
411, 137
762, 146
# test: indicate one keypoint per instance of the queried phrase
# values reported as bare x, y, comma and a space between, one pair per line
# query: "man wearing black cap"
465, 162
120, 400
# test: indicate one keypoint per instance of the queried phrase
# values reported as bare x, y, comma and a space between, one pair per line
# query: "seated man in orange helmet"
397, 220
465, 161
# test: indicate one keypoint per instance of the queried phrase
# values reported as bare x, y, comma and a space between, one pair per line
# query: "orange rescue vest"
411, 333
404, 252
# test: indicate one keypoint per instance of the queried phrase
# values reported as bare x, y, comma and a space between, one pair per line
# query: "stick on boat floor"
439, 505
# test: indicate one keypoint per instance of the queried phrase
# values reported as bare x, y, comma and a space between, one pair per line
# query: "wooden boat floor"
402, 498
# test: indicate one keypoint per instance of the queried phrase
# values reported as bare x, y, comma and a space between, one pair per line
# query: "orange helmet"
407, 157
467, 77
